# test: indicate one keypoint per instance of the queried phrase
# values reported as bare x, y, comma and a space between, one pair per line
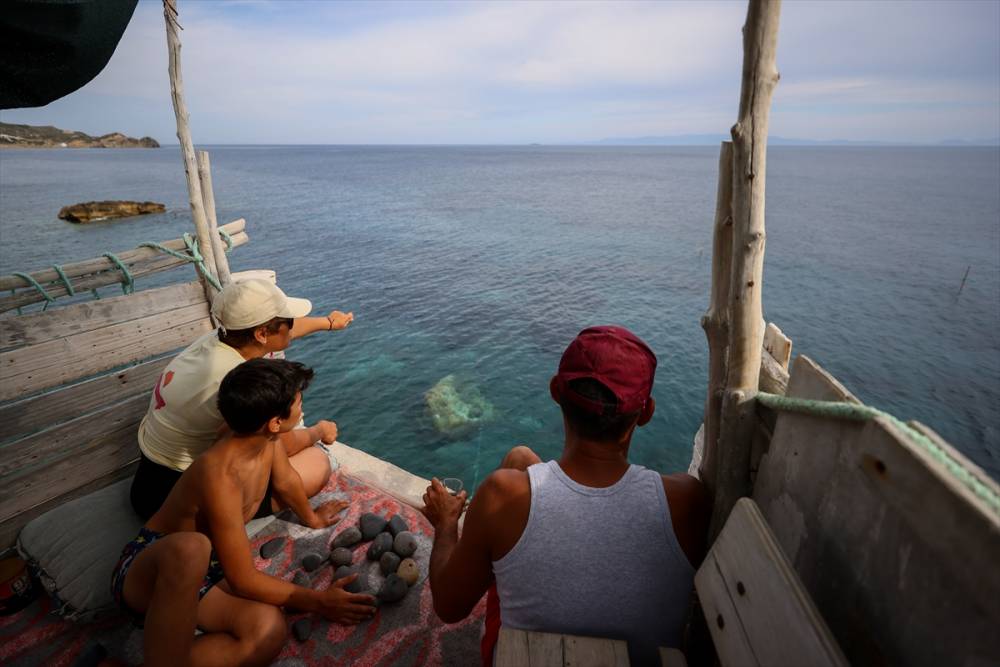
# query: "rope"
128, 284
194, 256
227, 237
34, 283
854, 412
66, 282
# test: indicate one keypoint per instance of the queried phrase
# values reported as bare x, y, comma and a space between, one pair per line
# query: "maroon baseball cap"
613, 356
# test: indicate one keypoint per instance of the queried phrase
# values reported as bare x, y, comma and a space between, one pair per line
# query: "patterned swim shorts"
144, 539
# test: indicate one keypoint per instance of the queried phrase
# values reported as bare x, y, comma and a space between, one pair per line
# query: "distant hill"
46, 136
714, 139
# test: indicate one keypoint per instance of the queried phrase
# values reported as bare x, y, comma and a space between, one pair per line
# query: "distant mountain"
46, 136
714, 139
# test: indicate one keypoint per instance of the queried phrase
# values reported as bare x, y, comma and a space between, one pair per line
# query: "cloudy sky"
563, 72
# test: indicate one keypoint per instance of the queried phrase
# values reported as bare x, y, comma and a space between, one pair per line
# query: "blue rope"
128, 285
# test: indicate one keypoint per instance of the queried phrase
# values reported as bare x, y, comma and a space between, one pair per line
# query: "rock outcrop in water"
47, 136
456, 408
106, 210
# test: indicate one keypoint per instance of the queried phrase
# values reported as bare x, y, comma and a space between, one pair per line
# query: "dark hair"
239, 338
604, 427
258, 390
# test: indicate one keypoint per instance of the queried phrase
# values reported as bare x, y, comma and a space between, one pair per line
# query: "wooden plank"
778, 345
545, 648
594, 652
36, 328
728, 636
512, 648
34, 414
10, 528
766, 602
114, 449
55, 362
888, 543
672, 657
46, 447
773, 377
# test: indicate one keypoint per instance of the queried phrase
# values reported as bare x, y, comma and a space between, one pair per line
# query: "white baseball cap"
250, 303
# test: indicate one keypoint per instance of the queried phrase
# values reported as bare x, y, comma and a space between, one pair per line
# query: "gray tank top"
599, 562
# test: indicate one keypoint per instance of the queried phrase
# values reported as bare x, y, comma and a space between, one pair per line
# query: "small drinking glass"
453, 484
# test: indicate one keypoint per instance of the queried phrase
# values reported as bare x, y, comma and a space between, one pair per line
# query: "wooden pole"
218, 249
716, 320
746, 336
187, 147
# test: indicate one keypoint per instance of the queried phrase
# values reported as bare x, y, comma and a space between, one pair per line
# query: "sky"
284, 72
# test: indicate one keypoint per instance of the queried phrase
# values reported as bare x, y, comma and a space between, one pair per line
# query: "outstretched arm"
335, 321
299, 438
287, 486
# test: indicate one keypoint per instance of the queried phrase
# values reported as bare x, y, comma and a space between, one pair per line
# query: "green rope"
34, 283
227, 237
128, 284
66, 282
194, 256
855, 412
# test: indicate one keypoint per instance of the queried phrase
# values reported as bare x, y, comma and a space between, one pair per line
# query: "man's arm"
335, 321
223, 512
461, 568
287, 486
690, 513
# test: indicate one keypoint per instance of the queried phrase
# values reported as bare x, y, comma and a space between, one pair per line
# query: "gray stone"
405, 544
397, 524
341, 556
302, 579
311, 562
371, 525
381, 544
355, 586
270, 548
302, 628
408, 571
393, 590
347, 538
388, 562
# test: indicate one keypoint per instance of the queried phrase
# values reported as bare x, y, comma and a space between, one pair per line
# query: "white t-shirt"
183, 419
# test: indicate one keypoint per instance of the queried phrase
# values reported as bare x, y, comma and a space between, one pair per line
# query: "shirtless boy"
191, 565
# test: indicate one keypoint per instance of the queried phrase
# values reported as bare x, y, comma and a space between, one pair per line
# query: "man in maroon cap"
586, 545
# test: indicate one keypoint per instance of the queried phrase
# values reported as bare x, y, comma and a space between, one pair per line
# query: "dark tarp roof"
50, 48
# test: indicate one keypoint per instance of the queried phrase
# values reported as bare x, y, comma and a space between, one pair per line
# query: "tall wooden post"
208, 194
187, 147
746, 330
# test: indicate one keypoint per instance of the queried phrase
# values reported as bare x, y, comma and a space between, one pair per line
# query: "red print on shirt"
165, 378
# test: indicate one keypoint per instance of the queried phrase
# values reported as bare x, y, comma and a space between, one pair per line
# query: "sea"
470, 268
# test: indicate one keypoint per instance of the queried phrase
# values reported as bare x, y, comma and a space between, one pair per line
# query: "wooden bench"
104, 356
522, 648
756, 608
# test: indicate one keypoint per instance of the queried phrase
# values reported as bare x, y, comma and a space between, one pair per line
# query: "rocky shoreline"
47, 136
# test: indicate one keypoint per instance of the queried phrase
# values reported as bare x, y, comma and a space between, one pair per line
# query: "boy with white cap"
256, 320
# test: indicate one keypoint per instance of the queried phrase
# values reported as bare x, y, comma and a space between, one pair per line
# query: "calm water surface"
481, 263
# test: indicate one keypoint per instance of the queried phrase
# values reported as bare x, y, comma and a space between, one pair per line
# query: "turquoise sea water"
481, 263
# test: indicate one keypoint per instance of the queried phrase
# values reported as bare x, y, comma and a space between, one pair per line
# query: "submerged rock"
405, 544
388, 563
311, 562
270, 548
302, 628
371, 525
456, 407
105, 210
341, 556
397, 524
393, 590
381, 544
409, 571
349, 537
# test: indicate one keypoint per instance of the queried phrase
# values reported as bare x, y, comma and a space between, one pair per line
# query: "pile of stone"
392, 546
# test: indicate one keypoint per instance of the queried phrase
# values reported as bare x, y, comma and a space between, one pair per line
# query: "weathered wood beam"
195, 196
205, 178
760, 76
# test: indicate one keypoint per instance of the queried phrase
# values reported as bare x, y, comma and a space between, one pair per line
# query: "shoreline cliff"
47, 136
